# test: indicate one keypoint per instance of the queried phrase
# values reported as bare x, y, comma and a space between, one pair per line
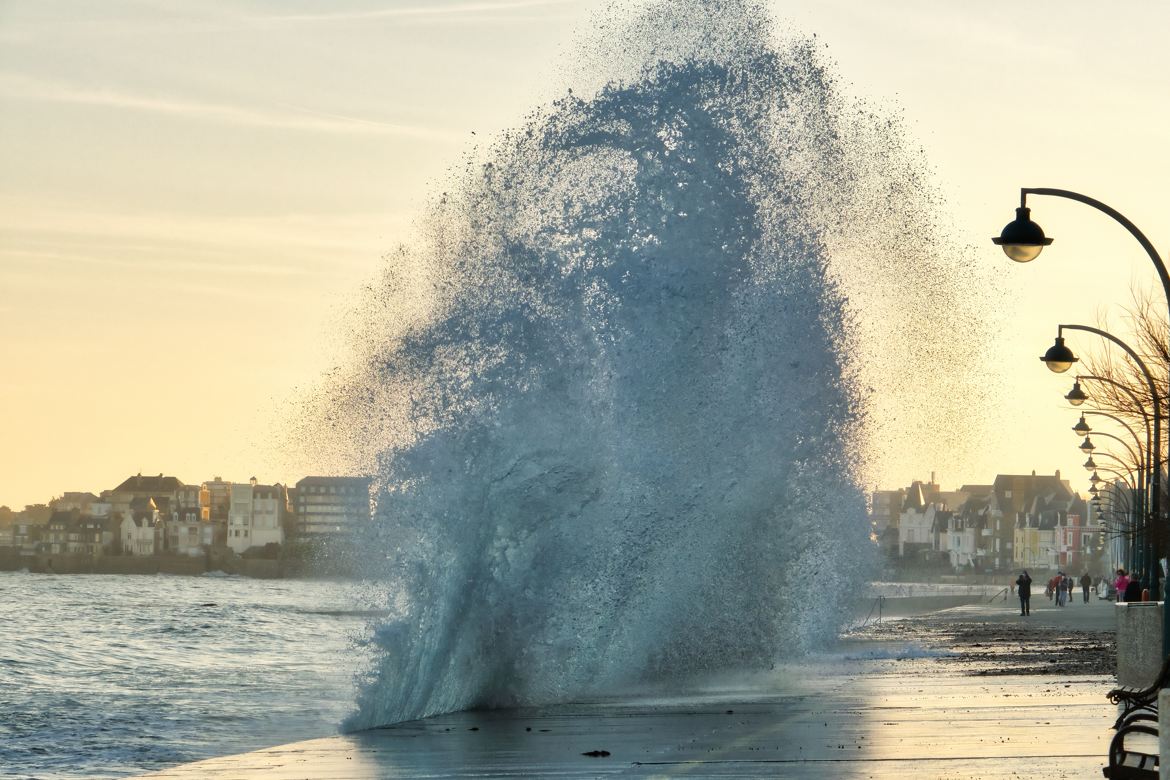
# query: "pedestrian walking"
1024, 589
1086, 583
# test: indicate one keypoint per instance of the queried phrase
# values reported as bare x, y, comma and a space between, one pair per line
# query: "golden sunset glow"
191, 196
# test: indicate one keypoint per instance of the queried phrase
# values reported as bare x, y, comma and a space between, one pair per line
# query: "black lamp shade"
1059, 358
1022, 239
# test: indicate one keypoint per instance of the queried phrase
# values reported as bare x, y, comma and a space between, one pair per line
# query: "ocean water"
108, 676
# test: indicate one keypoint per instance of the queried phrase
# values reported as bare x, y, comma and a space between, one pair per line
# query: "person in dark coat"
1133, 589
1024, 589
1086, 583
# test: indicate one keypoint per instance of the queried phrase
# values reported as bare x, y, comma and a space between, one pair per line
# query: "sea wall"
226, 562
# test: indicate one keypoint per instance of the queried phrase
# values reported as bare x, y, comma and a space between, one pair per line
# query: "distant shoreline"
257, 568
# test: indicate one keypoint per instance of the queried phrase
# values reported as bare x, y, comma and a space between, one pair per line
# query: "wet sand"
993, 639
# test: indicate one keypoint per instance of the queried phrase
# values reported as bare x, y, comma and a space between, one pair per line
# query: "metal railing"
869, 618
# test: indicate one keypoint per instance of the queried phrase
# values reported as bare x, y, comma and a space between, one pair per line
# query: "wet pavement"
971, 692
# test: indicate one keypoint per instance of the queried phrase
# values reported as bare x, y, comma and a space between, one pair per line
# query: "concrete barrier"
1163, 734
1139, 642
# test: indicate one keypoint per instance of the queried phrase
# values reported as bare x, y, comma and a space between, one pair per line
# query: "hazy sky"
190, 193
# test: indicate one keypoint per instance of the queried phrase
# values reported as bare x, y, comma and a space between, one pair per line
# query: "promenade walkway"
875, 707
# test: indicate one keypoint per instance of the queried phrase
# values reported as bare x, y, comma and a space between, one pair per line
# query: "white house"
255, 515
138, 535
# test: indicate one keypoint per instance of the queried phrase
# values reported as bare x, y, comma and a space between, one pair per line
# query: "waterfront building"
215, 498
1018, 521
26, 537
186, 533
162, 489
1039, 505
138, 535
885, 510
92, 537
74, 500
925, 521
187, 497
256, 515
56, 537
331, 506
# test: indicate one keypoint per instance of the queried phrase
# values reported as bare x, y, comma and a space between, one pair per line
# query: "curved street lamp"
1118, 518
1137, 465
1077, 396
1143, 462
1156, 449
1022, 240
1059, 358
1138, 455
1082, 427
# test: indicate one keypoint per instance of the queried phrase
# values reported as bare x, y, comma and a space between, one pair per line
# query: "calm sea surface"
108, 676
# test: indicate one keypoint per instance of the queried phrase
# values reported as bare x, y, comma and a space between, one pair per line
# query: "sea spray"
613, 386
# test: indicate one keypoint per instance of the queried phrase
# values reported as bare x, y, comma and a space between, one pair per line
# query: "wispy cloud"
169, 262
416, 12
277, 245
291, 118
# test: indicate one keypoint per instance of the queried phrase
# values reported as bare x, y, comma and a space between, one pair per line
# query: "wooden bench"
1133, 699
1126, 764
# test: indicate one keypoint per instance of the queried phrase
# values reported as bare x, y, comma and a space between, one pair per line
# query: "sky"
192, 193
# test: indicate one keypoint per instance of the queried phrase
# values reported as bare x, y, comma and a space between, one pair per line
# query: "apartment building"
331, 506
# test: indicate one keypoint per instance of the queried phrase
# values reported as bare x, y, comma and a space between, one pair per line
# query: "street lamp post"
1059, 358
1022, 240
1077, 397
1140, 456
1139, 552
1125, 513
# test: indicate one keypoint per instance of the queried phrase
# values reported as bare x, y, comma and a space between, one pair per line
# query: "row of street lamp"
1022, 240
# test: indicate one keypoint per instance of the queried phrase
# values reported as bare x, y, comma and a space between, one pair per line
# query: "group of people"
1128, 588
1059, 589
